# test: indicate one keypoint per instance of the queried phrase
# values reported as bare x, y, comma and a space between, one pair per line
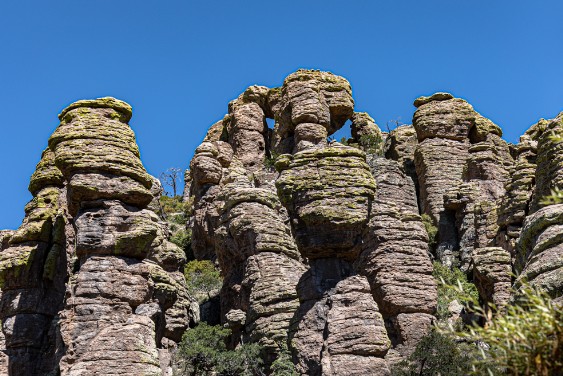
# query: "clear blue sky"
179, 63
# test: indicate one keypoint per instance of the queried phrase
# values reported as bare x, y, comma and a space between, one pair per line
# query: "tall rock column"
338, 328
539, 250
90, 285
33, 270
396, 260
442, 124
240, 221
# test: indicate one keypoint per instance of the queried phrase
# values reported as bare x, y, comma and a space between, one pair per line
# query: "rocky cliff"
321, 245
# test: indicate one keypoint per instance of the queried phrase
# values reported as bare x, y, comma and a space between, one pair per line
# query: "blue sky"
179, 63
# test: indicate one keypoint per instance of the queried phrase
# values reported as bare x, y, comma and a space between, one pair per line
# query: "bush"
556, 197
431, 229
270, 161
202, 277
372, 143
283, 365
203, 352
452, 285
175, 209
527, 339
182, 238
437, 354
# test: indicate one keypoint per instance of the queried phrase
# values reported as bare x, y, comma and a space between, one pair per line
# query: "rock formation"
90, 285
321, 245
347, 220
341, 300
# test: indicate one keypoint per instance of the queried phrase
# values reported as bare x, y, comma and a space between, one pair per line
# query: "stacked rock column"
126, 295
396, 260
539, 250
33, 269
240, 221
338, 328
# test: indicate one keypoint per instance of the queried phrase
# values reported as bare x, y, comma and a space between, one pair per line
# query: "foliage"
182, 238
175, 209
452, 285
527, 339
431, 229
372, 143
283, 365
437, 354
556, 197
244, 361
202, 352
270, 160
202, 277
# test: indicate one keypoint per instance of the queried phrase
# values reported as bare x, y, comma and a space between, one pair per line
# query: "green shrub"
202, 277
556, 197
452, 285
283, 365
182, 238
199, 349
270, 161
372, 143
431, 229
437, 354
202, 352
525, 340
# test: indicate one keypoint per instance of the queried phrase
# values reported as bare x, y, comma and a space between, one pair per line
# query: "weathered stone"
492, 271
91, 286
328, 209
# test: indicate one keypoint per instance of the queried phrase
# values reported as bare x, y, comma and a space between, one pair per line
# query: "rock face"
90, 284
539, 249
299, 247
322, 246
341, 230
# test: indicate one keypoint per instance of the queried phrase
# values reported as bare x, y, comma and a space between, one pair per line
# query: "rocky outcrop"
400, 146
462, 165
102, 288
299, 248
395, 257
539, 251
321, 246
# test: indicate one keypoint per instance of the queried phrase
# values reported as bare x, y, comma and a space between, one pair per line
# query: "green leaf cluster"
182, 238
526, 339
431, 229
175, 209
452, 285
372, 143
270, 160
437, 354
556, 197
283, 365
202, 277
203, 352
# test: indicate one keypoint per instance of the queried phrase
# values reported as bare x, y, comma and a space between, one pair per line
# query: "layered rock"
327, 252
240, 221
395, 257
102, 287
539, 250
515, 205
462, 165
304, 258
400, 146
33, 269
